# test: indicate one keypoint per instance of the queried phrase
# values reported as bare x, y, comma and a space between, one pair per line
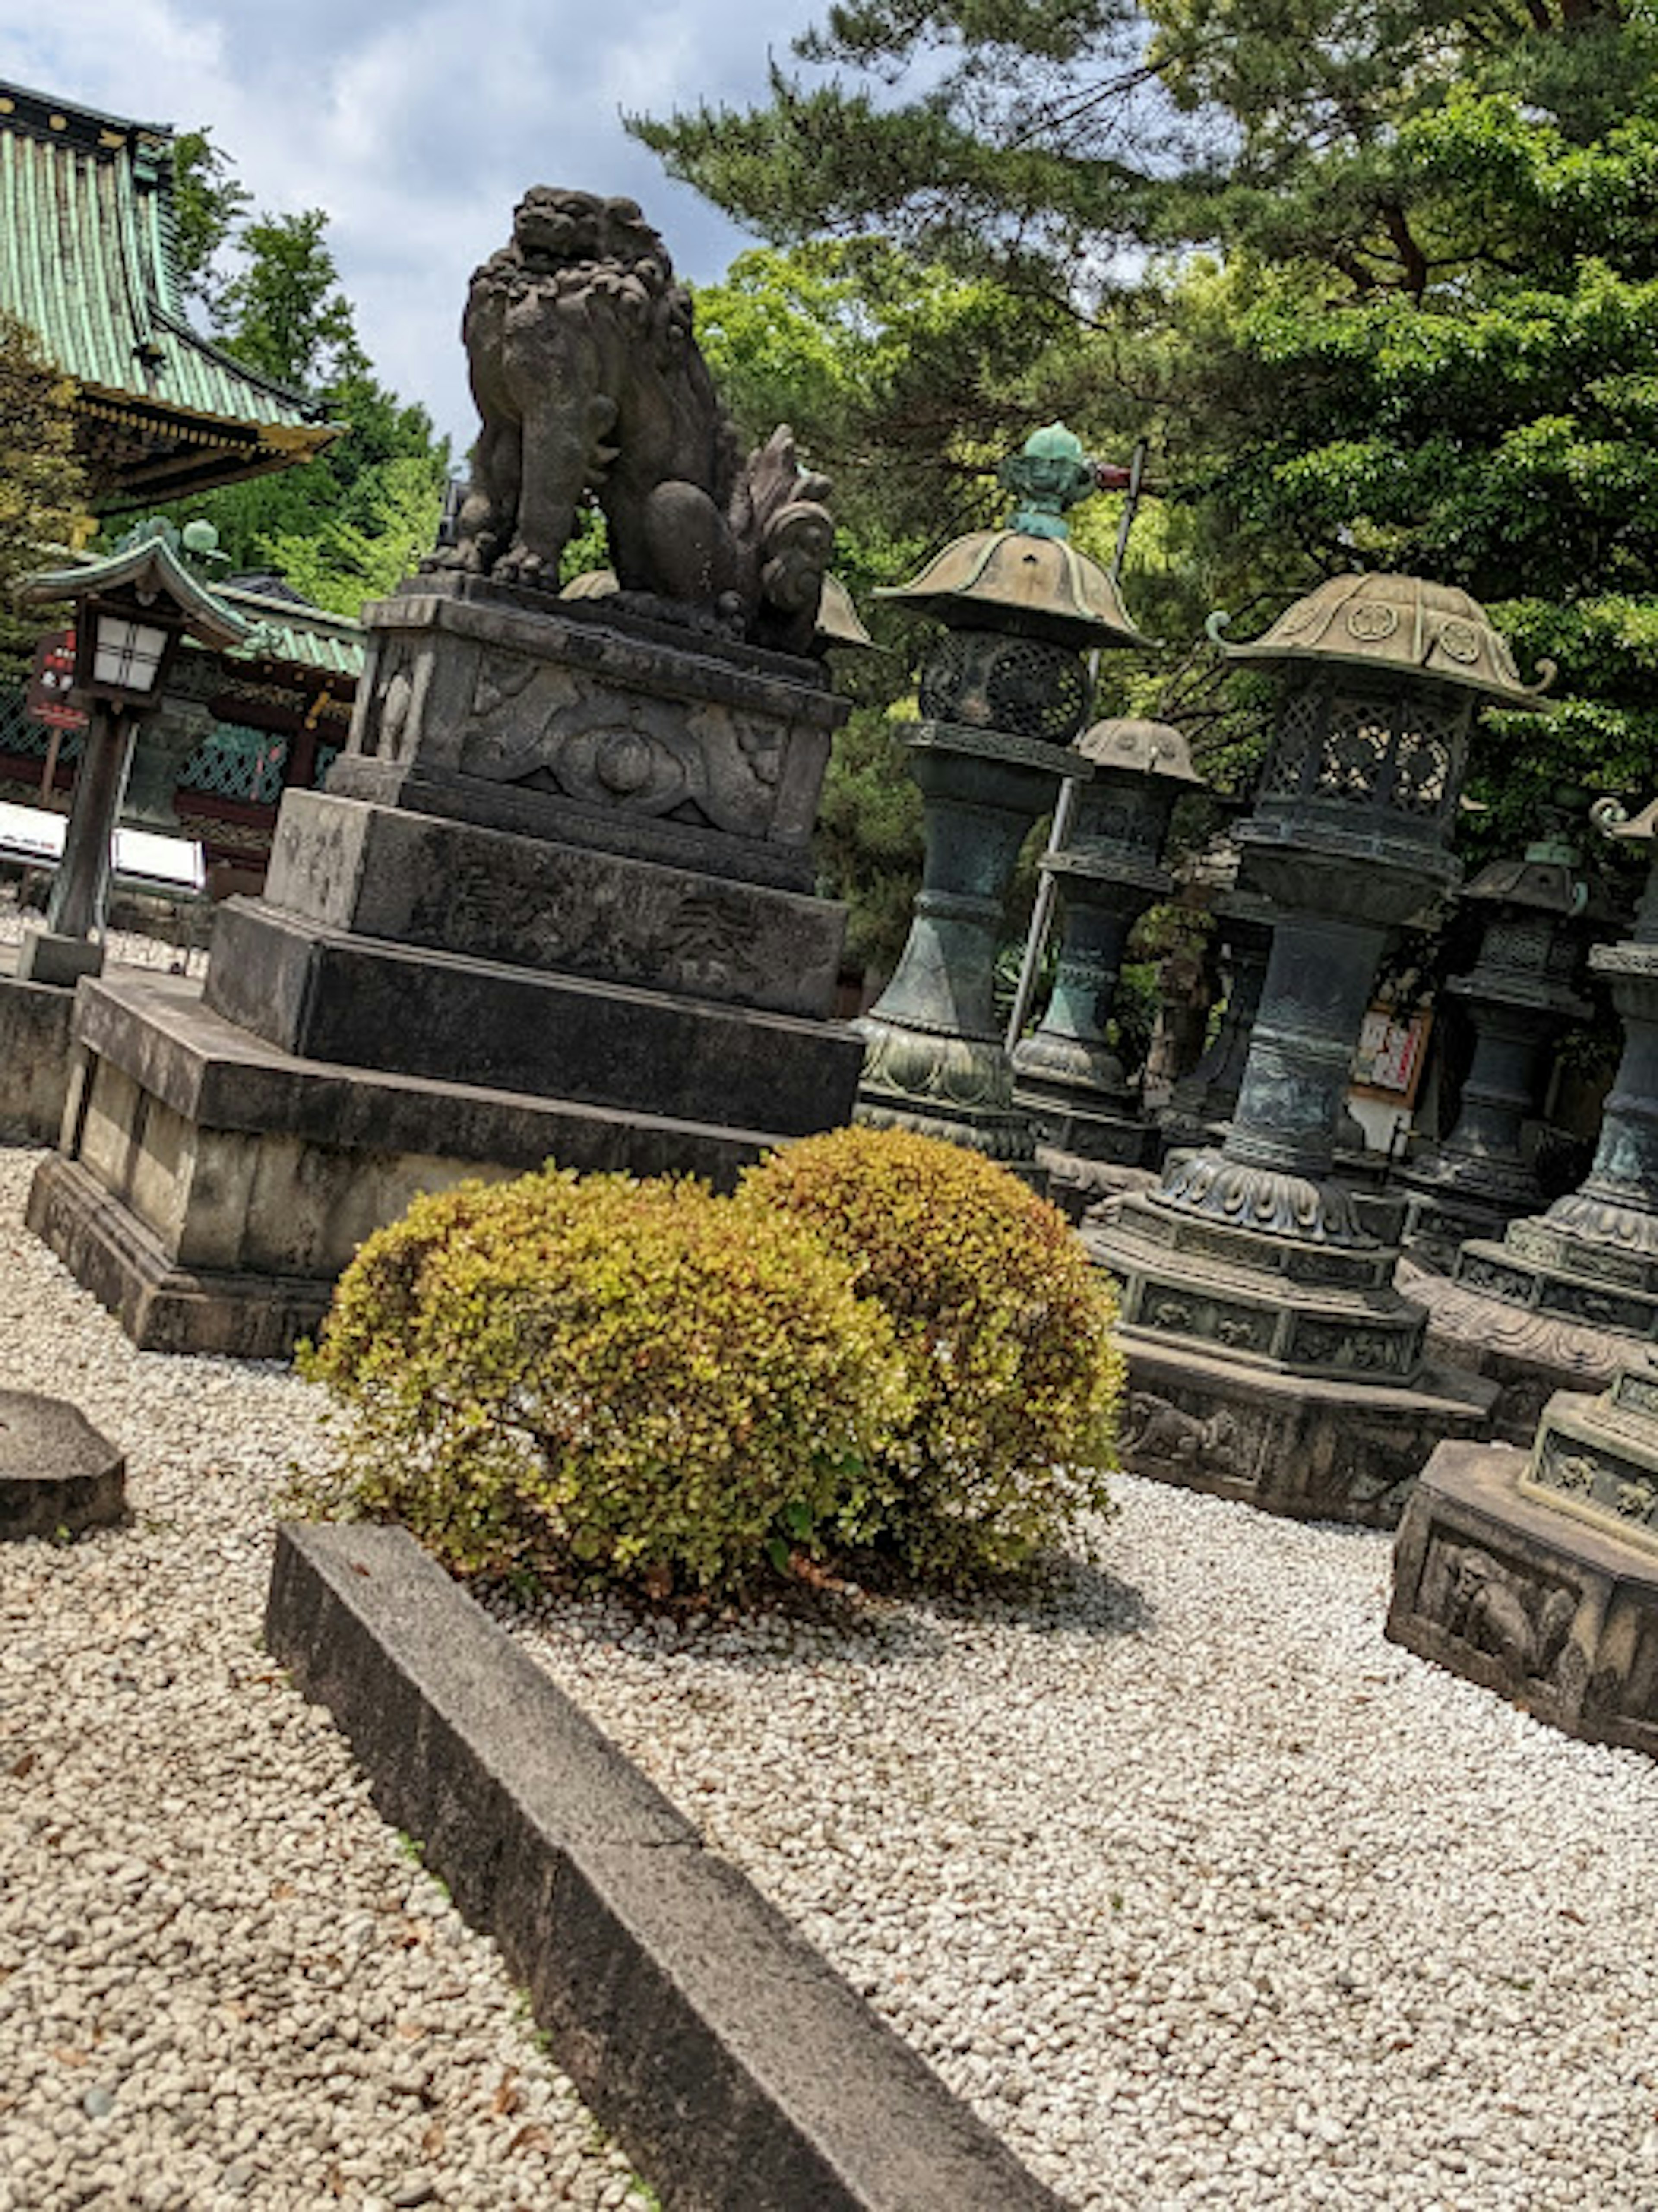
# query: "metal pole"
1041, 911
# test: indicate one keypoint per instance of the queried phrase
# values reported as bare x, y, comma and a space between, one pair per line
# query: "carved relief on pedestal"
1179, 1313
539, 726
1161, 1437
1372, 1352
1501, 1608
703, 943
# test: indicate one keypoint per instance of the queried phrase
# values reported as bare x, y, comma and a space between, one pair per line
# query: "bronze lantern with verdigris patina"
1271, 1355
1002, 693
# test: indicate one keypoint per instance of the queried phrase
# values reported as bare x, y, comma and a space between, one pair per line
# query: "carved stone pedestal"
1536, 1574
1295, 1445
548, 908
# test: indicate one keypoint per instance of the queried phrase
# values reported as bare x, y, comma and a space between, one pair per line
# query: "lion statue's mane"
588, 381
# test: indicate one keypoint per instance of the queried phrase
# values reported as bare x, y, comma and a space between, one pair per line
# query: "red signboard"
53, 673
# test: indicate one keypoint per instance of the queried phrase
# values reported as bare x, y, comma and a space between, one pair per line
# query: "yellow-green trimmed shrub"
1006, 1329
610, 1381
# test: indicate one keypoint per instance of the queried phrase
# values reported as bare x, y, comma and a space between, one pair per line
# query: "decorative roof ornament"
146, 564
1048, 475
1027, 578
1397, 624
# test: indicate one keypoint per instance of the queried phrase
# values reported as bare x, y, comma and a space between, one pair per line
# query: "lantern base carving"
1305, 1448
1530, 1348
1554, 1611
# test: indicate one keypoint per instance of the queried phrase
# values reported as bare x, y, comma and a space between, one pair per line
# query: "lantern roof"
146, 564
1027, 578
1153, 749
1396, 624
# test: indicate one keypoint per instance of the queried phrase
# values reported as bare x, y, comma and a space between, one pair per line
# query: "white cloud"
416, 127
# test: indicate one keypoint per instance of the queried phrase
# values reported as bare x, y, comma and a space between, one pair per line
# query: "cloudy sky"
415, 123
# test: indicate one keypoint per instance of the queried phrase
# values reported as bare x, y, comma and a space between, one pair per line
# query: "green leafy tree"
1377, 281
42, 490
346, 525
208, 204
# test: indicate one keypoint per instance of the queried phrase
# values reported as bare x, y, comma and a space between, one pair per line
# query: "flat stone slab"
34, 1037
1552, 1613
733, 2065
57, 1475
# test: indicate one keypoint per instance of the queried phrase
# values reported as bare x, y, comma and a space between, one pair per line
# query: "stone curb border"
735, 2068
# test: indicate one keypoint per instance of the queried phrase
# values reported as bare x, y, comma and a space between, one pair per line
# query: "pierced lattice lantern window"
1399, 751
1386, 674
985, 680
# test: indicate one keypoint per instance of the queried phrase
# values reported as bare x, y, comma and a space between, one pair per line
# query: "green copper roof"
297, 636
88, 260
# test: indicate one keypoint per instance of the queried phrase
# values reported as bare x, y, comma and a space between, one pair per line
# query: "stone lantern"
1002, 693
1067, 1076
1519, 996
131, 610
1555, 1303
1270, 1357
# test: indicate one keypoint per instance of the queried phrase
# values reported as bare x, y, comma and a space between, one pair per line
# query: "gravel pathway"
1199, 1891
222, 1983
127, 948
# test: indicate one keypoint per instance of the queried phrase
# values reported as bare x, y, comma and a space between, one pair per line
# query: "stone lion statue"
588, 381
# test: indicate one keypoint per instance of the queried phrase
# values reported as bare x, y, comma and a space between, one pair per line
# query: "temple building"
89, 260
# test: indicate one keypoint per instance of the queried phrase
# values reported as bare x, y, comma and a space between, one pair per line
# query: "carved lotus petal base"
1271, 1201
1076, 1062
1591, 1220
935, 1071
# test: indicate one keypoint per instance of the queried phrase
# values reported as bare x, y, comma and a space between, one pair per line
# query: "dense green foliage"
1377, 282
345, 527
884, 1354
607, 1381
42, 492
1004, 1325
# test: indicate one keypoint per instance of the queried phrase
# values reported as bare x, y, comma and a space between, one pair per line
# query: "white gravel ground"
126, 947
222, 1983
1199, 1891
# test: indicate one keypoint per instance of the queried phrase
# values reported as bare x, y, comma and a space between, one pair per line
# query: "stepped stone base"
1310, 1449
1546, 1609
324, 995
213, 1186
